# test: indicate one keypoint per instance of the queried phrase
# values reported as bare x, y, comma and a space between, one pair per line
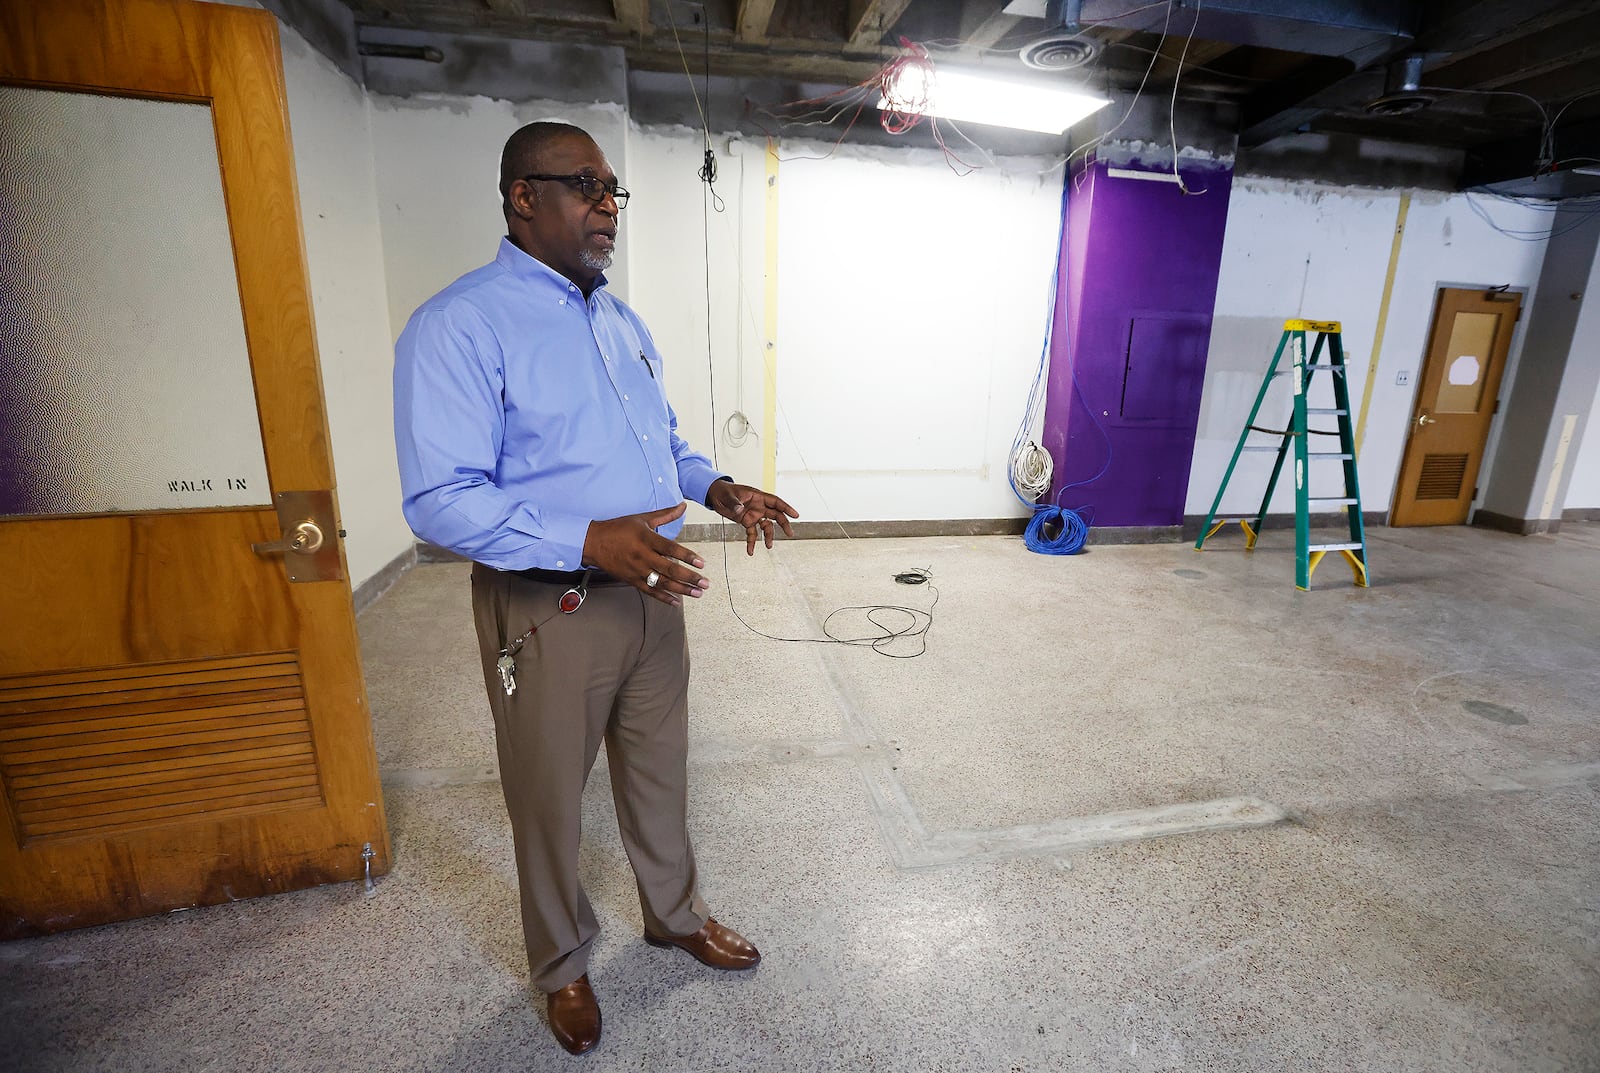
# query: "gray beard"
599, 262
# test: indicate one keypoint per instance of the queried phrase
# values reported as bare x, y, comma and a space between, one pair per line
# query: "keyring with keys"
506, 664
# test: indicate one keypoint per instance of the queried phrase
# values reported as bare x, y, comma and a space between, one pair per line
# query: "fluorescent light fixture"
1147, 176
972, 98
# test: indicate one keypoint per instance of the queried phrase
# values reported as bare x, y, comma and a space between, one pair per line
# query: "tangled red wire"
906, 83
906, 86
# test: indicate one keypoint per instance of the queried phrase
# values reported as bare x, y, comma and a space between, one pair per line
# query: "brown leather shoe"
714, 945
575, 1016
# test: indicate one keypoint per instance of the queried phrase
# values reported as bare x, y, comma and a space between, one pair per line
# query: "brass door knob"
1424, 419
303, 539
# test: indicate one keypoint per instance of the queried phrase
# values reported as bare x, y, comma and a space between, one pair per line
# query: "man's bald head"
524, 152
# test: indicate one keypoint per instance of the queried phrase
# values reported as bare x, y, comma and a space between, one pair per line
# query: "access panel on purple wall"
1165, 369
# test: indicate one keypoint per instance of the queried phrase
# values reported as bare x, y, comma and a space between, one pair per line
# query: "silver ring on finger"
652, 579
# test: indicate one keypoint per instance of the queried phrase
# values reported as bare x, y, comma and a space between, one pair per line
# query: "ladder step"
1326, 410
1335, 368
1331, 499
1333, 547
1272, 449
1312, 454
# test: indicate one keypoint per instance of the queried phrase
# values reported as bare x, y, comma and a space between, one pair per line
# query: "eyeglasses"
589, 186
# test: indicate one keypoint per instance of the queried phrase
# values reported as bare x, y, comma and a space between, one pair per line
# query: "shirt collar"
518, 262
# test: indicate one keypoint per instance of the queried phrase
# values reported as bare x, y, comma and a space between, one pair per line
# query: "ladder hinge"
1474, 493
1496, 407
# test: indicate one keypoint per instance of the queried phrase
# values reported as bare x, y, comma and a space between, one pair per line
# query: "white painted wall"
344, 255
905, 342
1584, 491
437, 161
668, 229
1274, 227
912, 309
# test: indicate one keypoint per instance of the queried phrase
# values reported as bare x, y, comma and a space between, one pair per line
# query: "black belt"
568, 578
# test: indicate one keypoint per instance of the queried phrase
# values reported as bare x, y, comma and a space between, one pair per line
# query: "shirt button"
647, 437
624, 398
658, 480
561, 562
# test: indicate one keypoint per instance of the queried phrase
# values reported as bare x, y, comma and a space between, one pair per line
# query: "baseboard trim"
1581, 514
367, 593
1134, 534
1505, 523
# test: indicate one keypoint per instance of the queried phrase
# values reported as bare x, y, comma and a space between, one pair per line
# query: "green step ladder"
1306, 554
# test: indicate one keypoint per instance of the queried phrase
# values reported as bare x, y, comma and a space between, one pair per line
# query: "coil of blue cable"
1055, 531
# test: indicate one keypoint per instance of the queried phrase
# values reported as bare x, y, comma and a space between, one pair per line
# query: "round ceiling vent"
1061, 53
1399, 104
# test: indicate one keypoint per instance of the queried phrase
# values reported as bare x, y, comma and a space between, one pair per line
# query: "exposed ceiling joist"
1198, 54
514, 8
634, 15
984, 22
1564, 83
1527, 58
753, 19
794, 67
1290, 102
871, 19
1465, 29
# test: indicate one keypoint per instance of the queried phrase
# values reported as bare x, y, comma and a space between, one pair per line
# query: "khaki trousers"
616, 670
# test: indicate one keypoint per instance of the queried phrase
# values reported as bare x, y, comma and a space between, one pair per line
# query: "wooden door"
1457, 396
182, 716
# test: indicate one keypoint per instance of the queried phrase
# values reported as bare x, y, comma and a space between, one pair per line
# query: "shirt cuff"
695, 481
562, 546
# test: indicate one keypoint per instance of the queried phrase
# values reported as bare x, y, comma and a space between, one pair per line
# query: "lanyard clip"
573, 598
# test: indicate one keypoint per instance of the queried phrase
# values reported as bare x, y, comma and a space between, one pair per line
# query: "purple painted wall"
1140, 261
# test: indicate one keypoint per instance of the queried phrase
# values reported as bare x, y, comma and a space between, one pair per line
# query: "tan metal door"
182, 716
1457, 396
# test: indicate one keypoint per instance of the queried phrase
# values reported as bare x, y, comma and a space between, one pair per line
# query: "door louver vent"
1442, 476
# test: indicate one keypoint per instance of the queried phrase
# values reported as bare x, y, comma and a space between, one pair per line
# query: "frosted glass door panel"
1471, 345
124, 378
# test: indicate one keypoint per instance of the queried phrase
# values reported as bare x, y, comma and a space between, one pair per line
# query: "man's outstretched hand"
759, 512
630, 548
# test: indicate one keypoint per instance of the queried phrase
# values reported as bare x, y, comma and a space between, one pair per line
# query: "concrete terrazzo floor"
1391, 799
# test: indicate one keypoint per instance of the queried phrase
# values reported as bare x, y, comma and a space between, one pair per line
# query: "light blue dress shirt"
523, 412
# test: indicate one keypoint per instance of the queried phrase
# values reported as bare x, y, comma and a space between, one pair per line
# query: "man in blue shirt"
535, 438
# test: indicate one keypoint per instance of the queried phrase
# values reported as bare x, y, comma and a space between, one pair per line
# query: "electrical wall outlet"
1402, 378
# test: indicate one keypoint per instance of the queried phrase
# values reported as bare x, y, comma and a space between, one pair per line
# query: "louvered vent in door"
89, 753
1441, 476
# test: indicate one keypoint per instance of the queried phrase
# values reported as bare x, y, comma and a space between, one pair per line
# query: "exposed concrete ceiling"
1281, 66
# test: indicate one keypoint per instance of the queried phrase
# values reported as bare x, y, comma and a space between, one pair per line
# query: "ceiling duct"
1362, 31
1065, 48
1402, 90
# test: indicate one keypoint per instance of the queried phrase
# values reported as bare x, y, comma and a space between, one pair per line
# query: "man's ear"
521, 199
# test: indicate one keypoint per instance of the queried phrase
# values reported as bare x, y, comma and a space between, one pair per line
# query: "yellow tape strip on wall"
769, 342
1383, 320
